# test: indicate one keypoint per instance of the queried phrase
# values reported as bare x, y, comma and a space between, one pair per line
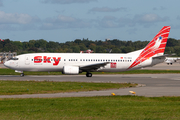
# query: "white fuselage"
56, 61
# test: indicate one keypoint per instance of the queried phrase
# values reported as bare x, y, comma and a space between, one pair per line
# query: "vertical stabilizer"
155, 47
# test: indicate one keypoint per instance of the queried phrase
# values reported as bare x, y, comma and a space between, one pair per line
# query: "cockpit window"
14, 58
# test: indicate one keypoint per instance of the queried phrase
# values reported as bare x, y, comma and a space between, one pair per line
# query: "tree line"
98, 46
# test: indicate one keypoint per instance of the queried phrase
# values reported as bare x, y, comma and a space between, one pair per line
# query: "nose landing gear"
22, 74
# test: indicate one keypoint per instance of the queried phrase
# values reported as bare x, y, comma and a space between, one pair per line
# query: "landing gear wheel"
22, 75
88, 74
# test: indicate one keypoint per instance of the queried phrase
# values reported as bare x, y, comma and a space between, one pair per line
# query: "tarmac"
150, 85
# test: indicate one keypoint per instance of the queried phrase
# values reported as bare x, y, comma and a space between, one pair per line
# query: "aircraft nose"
6, 64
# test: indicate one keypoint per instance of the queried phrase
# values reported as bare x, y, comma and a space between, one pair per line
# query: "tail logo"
155, 46
158, 42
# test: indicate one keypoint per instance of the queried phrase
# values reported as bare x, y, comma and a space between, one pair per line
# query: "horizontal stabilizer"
163, 56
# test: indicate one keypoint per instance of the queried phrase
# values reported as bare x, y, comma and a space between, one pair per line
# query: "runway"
151, 85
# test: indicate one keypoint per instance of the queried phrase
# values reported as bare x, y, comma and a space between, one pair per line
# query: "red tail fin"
158, 43
155, 47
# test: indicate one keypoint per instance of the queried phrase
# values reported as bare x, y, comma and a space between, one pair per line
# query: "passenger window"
15, 58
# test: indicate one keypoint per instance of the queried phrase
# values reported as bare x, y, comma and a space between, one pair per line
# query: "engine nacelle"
70, 70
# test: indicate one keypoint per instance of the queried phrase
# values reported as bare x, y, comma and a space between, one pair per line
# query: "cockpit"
12, 62
14, 58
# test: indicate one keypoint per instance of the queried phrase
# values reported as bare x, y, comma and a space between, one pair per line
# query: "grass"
12, 72
86, 108
92, 108
35, 87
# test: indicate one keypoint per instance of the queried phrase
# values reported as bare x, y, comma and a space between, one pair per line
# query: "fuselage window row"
99, 60
92, 60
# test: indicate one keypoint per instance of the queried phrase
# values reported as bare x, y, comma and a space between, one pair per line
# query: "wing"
93, 66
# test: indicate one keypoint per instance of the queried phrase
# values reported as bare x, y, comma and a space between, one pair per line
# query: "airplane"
75, 63
171, 60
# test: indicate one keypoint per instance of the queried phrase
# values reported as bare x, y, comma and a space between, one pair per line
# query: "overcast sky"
67, 20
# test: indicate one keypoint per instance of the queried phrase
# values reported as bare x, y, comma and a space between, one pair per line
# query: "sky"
67, 20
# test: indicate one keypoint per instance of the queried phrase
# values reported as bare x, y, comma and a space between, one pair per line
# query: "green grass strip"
35, 87
92, 108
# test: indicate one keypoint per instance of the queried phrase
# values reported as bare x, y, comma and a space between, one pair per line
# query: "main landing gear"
88, 74
22, 75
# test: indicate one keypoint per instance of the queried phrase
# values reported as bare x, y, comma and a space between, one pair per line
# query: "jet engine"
70, 70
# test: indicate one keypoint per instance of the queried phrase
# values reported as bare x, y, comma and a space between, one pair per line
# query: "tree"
78, 41
51, 45
100, 49
76, 49
116, 50
41, 43
18, 44
127, 49
171, 42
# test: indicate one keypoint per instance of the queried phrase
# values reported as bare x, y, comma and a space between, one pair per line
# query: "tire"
22, 75
88, 74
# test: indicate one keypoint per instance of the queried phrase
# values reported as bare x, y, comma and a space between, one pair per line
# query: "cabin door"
27, 60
